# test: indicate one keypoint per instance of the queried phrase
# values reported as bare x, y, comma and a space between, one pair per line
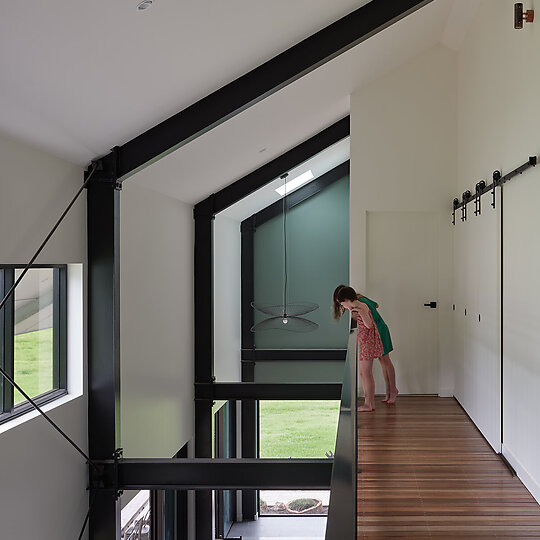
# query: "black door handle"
431, 305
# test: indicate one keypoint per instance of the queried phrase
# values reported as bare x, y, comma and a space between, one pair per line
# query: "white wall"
42, 479
227, 295
498, 129
403, 158
156, 332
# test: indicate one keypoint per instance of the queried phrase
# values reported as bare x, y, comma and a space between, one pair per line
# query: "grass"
299, 429
33, 363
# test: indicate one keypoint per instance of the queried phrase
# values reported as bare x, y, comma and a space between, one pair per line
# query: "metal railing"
341, 524
138, 527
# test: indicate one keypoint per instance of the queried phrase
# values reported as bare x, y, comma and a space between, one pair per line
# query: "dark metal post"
181, 500
103, 206
6, 339
249, 406
204, 354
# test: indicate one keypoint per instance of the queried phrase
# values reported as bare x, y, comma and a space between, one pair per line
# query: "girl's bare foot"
386, 398
366, 408
392, 398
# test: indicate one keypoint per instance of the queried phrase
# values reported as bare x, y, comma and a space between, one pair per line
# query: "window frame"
8, 410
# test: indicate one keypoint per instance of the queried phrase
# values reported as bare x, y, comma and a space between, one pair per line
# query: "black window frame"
8, 410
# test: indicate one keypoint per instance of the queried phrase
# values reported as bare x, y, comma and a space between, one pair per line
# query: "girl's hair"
342, 292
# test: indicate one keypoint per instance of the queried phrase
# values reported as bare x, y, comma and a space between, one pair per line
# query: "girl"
374, 342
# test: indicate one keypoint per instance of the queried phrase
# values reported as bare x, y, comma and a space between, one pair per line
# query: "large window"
33, 337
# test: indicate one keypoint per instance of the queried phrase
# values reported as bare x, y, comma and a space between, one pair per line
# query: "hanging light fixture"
285, 316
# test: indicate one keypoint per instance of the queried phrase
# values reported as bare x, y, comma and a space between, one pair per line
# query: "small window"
33, 340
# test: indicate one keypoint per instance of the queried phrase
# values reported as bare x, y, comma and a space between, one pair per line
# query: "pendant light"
285, 316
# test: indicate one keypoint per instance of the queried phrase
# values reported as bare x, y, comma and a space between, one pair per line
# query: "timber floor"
425, 471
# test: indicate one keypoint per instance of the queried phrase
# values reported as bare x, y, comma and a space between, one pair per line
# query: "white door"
477, 348
402, 276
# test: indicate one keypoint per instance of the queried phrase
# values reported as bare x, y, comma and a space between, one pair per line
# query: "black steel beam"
275, 391
248, 408
204, 354
305, 355
208, 474
263, 81
103, 221
203, 286
247, 230
204, 334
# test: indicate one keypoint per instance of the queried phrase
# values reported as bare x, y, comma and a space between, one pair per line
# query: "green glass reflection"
318, 260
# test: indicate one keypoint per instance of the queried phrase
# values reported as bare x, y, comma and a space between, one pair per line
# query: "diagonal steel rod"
87, 514
43, 244
36, 406
10, 292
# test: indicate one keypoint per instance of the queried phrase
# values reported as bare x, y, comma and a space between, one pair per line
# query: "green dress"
381, 325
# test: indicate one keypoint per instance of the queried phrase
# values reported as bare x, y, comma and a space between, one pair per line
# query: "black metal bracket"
481, 189
248, 356
104, 475
118, 453
106, 170
455, 206
205, 391
496, 180
466, 197
480, 186
206, 209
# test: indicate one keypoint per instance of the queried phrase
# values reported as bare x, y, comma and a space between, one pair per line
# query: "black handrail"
341, 524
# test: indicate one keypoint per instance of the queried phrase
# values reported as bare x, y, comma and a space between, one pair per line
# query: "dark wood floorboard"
424, 471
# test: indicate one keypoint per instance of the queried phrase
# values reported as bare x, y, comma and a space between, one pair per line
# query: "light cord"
285, 276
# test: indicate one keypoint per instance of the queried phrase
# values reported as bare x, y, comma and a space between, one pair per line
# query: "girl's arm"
365, 315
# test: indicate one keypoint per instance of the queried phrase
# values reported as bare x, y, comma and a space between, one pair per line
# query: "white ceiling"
77, 78
293, 114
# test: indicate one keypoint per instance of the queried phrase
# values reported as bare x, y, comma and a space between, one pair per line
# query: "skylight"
295, 182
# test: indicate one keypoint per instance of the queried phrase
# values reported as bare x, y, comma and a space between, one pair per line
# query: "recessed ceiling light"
295, 182
145, 4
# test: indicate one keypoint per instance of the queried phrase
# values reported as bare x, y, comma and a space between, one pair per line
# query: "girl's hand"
364, 315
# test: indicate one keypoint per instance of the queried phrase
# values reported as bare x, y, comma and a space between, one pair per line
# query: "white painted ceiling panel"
291, 115
79, 77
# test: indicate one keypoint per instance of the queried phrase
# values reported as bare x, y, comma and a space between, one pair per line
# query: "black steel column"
249, 406
182, 504
103, 207
7, 344
204, 354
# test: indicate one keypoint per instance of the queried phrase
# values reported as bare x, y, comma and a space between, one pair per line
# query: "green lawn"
33, 363
299, 429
